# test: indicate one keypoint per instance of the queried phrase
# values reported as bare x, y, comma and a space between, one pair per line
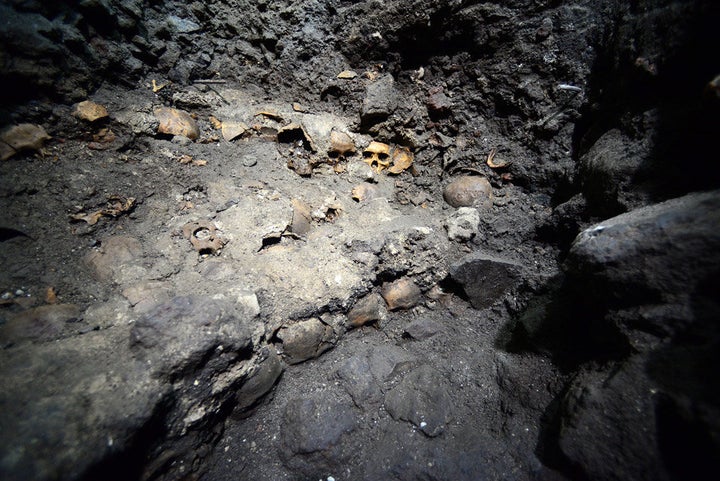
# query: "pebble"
401, 294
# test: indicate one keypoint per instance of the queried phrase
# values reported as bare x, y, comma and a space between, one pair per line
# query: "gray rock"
185, 333
485, 278
421, 398
305, 340
262, 378
380, 100
645, 268
69, 404
421, 329
609, 425
462, 225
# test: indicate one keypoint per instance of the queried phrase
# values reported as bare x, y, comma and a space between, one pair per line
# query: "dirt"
114, 228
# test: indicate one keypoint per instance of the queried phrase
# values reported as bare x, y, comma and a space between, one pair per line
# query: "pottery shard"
401, 294
370, 308
468, 191
176, 122
21, 137
90, 111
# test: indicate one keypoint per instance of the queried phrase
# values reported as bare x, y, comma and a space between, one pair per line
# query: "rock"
347, 75
176, 122
366, 192
186, 333
370, 308
23, 137
364, 374
438, 104
401, 294
90, 111
44, 323
485, 279
315, 424
421, 398
655, 261
421, 329
183, 25
462, 225
69, 405
261, 379
380, 100
305, 340
610, 425
145, 295
140, 123
607, 171
468, 191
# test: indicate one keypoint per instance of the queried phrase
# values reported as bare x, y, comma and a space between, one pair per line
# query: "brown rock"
231, 130
370, 308
176, 122
401, 294
438, 103
305, 340
468, 191
90, 111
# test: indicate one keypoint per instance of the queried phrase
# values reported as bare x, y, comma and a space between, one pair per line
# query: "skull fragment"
377, 156
341, 145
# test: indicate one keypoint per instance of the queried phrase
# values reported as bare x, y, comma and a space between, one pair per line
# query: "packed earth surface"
359, 240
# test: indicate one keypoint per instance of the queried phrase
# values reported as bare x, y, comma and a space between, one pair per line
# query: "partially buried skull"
341, 145
377, 156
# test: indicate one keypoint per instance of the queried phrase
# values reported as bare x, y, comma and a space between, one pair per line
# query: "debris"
402, 160
204, 237
438, 103
484, 278
341, 145
370, 308
210, 81
494, 164
158, 87
176, 122
298, 108
22, 137
90, 111
102, 139
215, 122
401, 294
377, 155
347, 75
381, 100
468, 191
231, 130
462, 225
116, 206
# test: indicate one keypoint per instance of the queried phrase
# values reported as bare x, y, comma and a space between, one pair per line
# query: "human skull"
341, 145
377, 155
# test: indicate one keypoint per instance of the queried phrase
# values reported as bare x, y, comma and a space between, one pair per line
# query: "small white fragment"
572, 88
423, 424
330, 478
196, 383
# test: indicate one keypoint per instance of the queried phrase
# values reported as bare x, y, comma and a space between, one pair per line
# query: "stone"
401, 294
657, 258
468, 191
44, 323
421, 398
438, 104
380, 100
484, 278
90, 111
116, 258
262, 378
463, 224
186, 332
71, 404
421, 329
305, 340
370, 308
